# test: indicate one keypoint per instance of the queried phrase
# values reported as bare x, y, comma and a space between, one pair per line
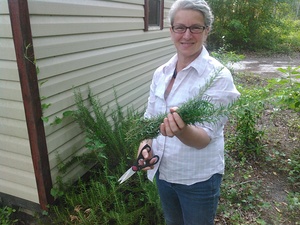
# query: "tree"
249, 24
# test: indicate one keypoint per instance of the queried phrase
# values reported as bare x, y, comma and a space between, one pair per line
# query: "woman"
191, 164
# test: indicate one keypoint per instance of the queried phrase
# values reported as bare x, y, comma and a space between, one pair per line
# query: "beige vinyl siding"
15, 145
11, 109
95, 43
5, 31
16, 170
100, 44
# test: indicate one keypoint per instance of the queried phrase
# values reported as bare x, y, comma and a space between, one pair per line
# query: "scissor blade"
126, 175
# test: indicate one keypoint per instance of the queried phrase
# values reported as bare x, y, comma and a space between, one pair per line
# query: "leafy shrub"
105, 128
100, 199
246, 139
286, 90
255, 25
294, 168
6, 216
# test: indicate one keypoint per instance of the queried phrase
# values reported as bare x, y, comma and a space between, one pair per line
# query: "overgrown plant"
286, 89
246, 138
115, 134
27, 56
6, 216
100, 199
105, 127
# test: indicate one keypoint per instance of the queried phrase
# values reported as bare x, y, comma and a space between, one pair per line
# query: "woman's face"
188, 45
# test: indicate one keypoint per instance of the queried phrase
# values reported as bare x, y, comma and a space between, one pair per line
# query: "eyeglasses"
195, 29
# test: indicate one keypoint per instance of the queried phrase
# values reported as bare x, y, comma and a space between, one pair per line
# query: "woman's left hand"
172, 124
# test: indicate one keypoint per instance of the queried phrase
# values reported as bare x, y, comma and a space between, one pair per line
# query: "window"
154, 14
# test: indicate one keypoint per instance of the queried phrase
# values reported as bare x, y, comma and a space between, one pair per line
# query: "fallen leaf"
77, 208
73, 218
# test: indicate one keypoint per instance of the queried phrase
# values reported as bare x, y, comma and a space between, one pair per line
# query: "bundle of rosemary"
198, 109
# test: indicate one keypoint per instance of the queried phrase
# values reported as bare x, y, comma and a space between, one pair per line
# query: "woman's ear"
171, 33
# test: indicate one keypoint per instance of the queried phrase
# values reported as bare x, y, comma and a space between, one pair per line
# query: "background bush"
256, 25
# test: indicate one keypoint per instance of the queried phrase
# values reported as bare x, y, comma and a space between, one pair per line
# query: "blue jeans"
190, 204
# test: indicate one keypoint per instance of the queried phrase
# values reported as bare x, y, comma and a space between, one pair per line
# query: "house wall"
16, 170
100, 44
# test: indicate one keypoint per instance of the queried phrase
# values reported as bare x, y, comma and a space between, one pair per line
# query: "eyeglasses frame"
203, 27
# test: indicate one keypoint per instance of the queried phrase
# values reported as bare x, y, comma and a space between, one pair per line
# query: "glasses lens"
179, 29
197, 29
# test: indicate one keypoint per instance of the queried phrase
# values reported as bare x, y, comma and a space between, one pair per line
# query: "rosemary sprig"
199, 109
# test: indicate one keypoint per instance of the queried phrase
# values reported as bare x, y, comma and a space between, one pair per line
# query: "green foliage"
227, 58
100, 199
247, 138
294, 168
105, 129
290, 33
58, 120
60, 189
283, 92
286, 90
255, 25
6, 216
293, 208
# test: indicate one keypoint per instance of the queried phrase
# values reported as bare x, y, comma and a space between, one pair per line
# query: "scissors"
136, 167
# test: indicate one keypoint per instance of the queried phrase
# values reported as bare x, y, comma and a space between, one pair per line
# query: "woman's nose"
187, 33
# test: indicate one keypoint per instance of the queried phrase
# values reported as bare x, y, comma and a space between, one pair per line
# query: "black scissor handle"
146, 146
147, 163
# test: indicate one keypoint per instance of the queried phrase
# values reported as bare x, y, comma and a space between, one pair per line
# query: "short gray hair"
196, 5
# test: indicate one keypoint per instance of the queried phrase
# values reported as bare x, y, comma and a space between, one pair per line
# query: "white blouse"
178, 162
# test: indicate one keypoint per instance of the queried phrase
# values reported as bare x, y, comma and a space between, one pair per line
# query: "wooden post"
21, 29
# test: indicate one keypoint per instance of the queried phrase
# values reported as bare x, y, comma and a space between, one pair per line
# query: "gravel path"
267, 65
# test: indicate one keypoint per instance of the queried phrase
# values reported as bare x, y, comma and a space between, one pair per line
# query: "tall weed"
246, 137
105, 128
100, 199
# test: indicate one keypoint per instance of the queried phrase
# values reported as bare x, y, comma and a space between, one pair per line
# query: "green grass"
6, 214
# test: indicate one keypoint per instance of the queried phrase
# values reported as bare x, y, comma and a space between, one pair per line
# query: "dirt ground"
280, 136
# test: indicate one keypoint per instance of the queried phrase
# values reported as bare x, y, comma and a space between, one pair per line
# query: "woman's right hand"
146, 154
